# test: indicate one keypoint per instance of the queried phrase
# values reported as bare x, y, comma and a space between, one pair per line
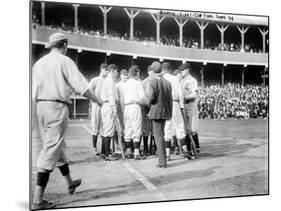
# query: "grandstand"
221, 48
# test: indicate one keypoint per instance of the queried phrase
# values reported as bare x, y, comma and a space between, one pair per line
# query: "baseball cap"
134, 70
184, 66
156, 67
166, 66
55, 37
124, 72
112, 67
103, 66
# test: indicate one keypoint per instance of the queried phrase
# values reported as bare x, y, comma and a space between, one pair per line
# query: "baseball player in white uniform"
54, 77
188, 100
95, 86
120, 101
109, 109
175, 126
133, 97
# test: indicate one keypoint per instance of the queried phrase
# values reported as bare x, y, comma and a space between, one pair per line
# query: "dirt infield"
233, 162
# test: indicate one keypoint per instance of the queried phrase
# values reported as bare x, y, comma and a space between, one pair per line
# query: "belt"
58, 101
186, 101
131, 104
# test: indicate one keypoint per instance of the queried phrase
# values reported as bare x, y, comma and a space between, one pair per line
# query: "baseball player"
146, 122
133, 97
54, 76
109, 109
95, 86
120, 99
188, 101
175, 126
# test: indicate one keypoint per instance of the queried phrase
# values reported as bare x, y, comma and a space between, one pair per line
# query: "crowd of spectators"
233, 101
170, 40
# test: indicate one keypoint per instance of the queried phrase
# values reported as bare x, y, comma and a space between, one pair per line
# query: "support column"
43, 21
264, 75
222, 75
222, 28
202, 75
181, 24
131, 14
263, 32
75, 6
105, 10
243, 75
242, 30
202, 27
158, 20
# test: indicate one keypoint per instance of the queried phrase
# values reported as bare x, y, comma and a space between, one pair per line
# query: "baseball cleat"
43, 205
75, 184
110, 158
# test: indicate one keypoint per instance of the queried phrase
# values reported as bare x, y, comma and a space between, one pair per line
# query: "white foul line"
86, 128
149, 186
142, 179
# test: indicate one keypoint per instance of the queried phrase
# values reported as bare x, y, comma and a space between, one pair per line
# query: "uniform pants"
108, 125
175, 126
158, 131
52, 120
96, 119
191, 113
133, 122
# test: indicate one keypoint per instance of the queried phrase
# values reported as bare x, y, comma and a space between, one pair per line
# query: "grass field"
233, 162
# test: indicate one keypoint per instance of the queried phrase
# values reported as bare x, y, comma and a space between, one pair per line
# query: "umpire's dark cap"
184, 66
156, 67
103, 66
112, 67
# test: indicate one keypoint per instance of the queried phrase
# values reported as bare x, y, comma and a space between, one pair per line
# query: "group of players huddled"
130, 99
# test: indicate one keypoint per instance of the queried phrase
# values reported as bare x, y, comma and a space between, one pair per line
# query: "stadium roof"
226, 18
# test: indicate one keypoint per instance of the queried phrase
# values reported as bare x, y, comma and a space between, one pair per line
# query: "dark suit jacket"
160, 98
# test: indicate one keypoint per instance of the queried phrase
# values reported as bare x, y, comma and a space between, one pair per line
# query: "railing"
141, 49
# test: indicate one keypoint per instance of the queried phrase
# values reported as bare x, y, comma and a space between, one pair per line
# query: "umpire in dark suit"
161, 101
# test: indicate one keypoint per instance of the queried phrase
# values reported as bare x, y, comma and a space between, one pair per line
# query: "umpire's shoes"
110, 158
75, 184
43, 205
161, 166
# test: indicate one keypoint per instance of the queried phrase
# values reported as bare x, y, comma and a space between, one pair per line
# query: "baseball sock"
42, 181
188, 146
103, 145
196, 140
145, 144
107, 146
94, 140
136, 148
66, 174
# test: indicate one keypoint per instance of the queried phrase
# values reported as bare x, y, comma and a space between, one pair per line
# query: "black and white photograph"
137, 105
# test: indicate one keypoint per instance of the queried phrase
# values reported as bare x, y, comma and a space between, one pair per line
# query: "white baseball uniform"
108, 95
133, 96
54, 77
175, 126
95, 86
